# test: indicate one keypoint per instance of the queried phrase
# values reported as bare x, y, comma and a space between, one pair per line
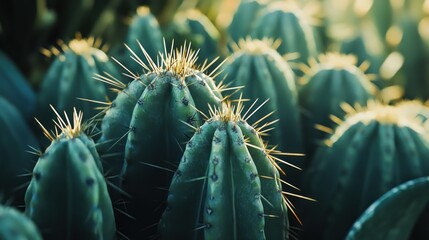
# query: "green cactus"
15, 163
146, 126
71, 76
370, 152
14, 87
226, 186
285, 21
406, 40
67, 196
194, 27
326, 85
258, 67
143, 28
15, 225
357, 46
394, 214
244, 18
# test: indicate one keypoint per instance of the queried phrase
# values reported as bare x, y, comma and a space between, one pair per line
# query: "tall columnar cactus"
370, 152
226, 186
259, 68
145, 29
71, 76
393, 215
326, 85
285, 21
16, 139
67, 197
14, 87
15, 225
244, 18
194, 27
147, 125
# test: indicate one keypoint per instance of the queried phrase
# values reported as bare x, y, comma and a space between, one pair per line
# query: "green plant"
15, 225
327, 84
147, 126
67, 196
227, 185
256, 66
370, 152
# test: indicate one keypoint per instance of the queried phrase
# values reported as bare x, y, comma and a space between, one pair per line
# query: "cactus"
370, 152
394, 214
14, 87
405, 39
71, 77
337, 76
194, 27
258, 67
285, 21
15, 162
145, 28
243, 19
15, 225
67, 196
227, 185
146, 125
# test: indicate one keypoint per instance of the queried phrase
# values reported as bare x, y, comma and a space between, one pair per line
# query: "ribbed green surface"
224, 189
369, 158
67, 197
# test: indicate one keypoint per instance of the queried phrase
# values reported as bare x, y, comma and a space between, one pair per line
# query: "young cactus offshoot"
15, 225
227, 185
67, 197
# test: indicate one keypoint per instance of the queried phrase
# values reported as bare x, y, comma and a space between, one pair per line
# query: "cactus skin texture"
394, 214
286, 22
144, 28
14, 87
194, 27
244, 18
224, 189
15, 225
258, 67
326, 85
71, 76
67, 197
15, 139
369, 153
148, 122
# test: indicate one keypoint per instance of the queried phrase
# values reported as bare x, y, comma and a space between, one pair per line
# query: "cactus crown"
374, 111
179, 61
255, 46
65, 127
85, 47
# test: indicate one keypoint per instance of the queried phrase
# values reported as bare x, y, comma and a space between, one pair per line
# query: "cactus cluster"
163, 145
